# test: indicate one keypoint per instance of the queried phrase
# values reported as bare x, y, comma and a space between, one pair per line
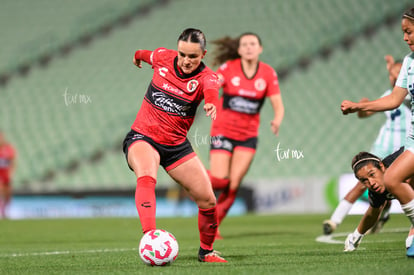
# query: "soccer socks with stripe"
218, 183
207, 225
145, 202
341, 211
225, 201
408, 209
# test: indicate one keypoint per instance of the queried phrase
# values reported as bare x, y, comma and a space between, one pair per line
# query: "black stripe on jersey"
169, 104
173, 94
242, 104
182, 75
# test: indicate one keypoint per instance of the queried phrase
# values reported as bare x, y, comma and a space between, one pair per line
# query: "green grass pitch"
278, 244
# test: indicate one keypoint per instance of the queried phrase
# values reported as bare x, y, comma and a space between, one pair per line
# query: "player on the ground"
7, 168
246, 83
158, 135
391, 137
403, 167
369, 169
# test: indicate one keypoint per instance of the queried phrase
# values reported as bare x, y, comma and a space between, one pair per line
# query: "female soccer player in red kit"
7, 167
158, 135
246, 82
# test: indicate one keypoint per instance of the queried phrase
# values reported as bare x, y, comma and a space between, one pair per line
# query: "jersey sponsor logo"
163, 71
411, 89
241, 104
167, 104
260, 84
192, 85
395, 114
248, 93
170, 88
170, 104
235, 81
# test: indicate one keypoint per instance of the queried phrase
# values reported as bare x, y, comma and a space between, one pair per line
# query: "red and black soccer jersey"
7, 155
172, 98
238, 115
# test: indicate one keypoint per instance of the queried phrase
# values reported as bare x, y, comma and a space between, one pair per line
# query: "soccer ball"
158, 247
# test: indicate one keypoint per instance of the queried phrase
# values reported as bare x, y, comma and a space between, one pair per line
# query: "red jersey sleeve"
273, 83
144, 55
211, 89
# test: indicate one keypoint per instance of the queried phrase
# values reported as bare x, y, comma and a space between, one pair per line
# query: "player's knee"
206, 202
390, 182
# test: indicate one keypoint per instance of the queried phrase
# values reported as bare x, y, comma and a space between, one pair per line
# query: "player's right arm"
385, 103
143, 55
362, 114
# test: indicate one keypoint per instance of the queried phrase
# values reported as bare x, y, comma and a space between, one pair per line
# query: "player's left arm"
279, 112
211, 91
369, 219
12, 168
12, 164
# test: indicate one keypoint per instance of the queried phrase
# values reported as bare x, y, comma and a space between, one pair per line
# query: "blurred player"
370, 169
246, 83
7, 168
391, 137
403, 167
158, 135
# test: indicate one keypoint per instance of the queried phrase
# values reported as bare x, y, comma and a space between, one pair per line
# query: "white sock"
341, 211
408, 209
409, 241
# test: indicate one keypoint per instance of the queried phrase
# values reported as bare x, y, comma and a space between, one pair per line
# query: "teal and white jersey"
393, 132
406, 80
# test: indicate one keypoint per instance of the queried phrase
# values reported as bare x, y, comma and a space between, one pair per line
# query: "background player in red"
246, 82
158, 135
7, 168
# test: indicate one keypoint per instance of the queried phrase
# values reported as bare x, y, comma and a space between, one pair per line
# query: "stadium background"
69, 91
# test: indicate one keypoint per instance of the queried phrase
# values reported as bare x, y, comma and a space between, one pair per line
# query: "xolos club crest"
192, 85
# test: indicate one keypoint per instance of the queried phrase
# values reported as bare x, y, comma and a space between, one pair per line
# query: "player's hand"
210, 110
352, 242
275, 127
137, 62
348, 107
390, 61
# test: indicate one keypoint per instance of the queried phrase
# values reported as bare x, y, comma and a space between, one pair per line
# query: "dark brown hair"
227, 48
194, 36
364, 158
409, 14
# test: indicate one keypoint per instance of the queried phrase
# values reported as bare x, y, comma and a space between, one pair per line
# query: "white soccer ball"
158, 247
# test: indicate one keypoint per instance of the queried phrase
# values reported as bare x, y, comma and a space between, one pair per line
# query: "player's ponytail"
227, 48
